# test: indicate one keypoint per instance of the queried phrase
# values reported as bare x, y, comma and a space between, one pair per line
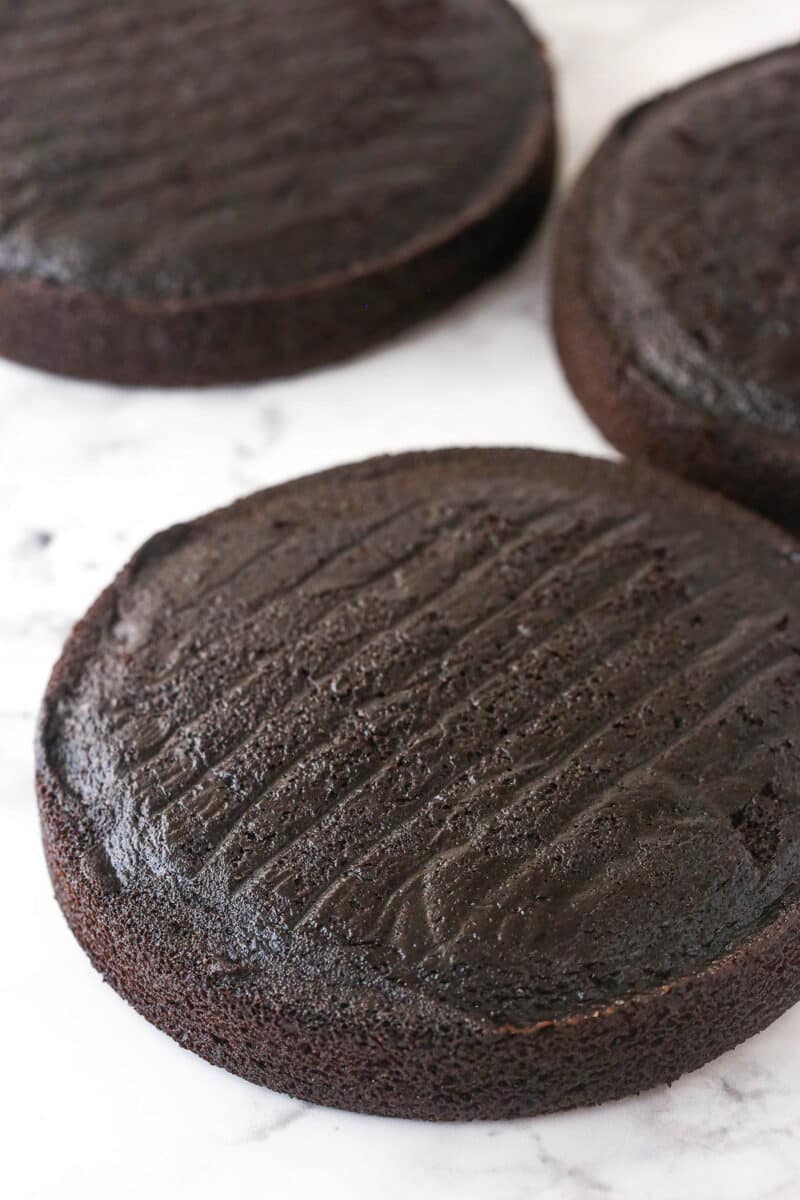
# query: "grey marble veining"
94, 1101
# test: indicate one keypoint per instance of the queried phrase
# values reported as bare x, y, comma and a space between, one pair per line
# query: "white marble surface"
94, 1102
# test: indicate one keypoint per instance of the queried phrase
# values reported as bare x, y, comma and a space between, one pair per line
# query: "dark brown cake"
197, 191
677, 300
452, 785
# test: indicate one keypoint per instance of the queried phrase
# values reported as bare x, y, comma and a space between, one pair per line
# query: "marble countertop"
94, 1101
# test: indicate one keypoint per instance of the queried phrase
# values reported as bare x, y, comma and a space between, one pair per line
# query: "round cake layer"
678, 289
200, 190
455, 784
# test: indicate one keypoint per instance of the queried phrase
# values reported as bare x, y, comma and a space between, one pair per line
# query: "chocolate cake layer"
678, 283
449, 785
205, 190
